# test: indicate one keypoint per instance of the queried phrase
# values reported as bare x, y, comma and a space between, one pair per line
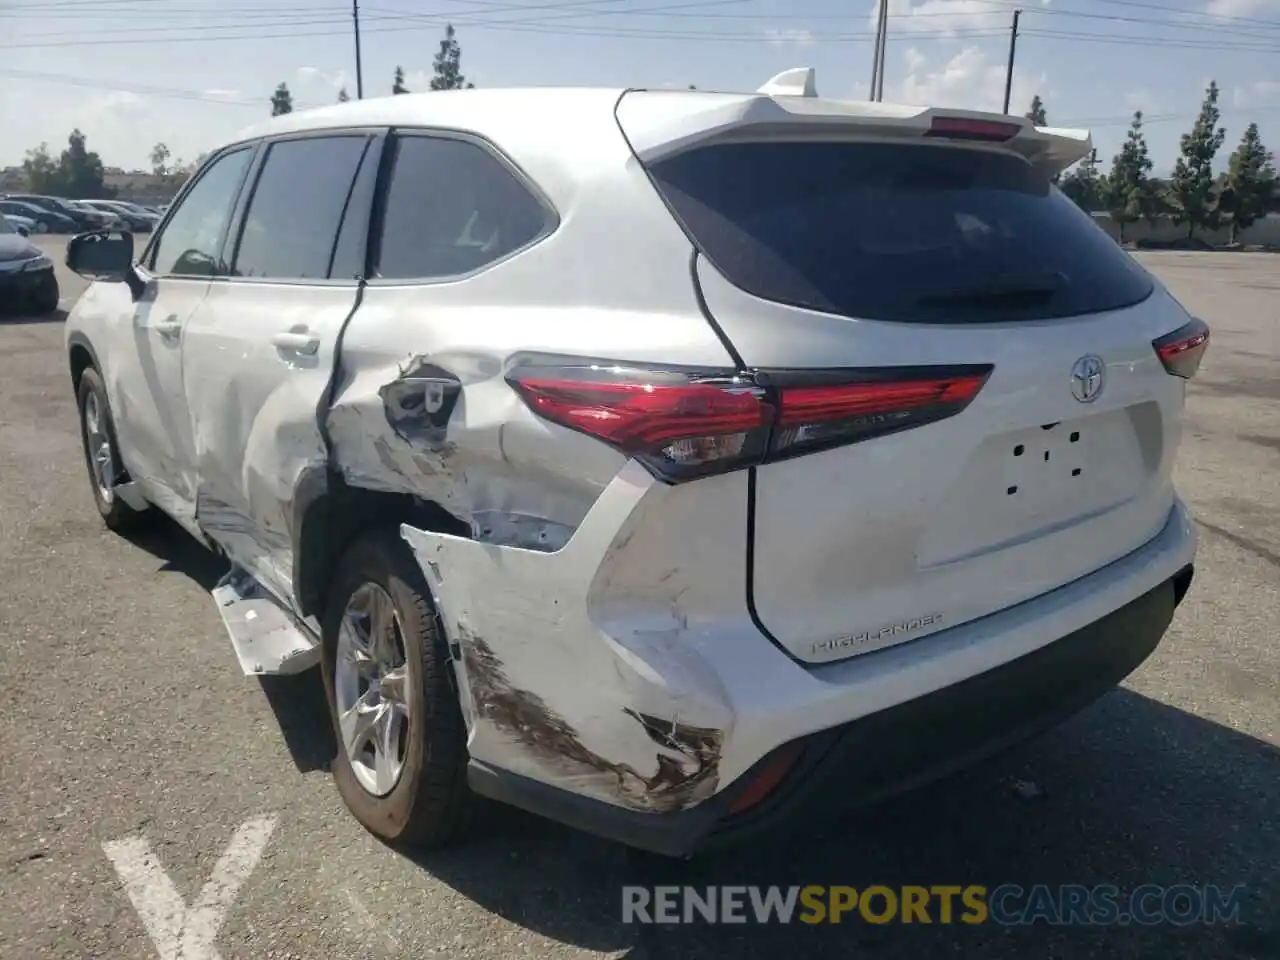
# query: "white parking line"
179, 932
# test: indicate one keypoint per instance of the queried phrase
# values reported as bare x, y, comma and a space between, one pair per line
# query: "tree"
40, 170
80, 173
1193, 173
1085, 185
1128, 189
448, 64
398, 86
281, 101
343, 97
1039, 118
1251, 180
159, 159
1036, 114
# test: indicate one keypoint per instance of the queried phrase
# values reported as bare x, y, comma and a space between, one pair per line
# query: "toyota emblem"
1087, 377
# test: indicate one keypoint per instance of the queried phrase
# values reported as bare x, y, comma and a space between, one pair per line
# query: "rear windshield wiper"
1030, 286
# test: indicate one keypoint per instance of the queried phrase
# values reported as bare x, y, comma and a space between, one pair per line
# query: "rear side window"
452, 207
899, 232
291, 225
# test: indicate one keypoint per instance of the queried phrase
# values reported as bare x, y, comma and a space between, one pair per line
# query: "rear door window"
899, 232
453, 207
290, 228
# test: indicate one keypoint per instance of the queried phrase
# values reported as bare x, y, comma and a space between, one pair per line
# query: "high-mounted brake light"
964, 128
1182, 350
688, 423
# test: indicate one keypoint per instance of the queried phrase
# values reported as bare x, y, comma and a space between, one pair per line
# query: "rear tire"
102, 453
430, 803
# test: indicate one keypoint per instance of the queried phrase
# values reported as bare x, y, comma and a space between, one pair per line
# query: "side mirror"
24, 231
100, 255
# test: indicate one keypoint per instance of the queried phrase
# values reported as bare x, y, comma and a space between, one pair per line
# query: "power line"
541, 25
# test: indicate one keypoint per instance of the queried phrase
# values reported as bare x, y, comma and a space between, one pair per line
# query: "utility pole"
1013, 45
875, 57
877, 68
355, 19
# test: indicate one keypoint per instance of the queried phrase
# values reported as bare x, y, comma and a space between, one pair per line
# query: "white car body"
634, 655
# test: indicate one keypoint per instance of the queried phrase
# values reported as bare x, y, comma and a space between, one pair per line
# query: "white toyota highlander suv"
667, 463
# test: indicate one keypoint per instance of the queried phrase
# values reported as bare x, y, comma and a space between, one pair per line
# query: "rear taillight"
818, 409
1182, 350
683, 424
964, 128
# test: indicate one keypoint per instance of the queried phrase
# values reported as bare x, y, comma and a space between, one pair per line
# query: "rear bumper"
888, 751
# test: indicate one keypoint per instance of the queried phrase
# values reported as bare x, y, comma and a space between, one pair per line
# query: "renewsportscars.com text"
1004, 905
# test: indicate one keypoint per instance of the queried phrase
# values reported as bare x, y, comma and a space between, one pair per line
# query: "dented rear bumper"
883, 754
593, 710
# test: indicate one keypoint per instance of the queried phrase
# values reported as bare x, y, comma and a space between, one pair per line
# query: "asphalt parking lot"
131, 742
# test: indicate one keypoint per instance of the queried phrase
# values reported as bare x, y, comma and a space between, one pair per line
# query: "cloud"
1240, 8
789, 37
1258, 94
120, 100
218, 93
1142, 100
969, 80
943, 16
316, 79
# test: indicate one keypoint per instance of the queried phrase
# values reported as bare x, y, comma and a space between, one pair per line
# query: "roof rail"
797, 82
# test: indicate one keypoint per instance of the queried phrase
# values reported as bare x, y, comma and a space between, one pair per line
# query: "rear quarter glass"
893, 231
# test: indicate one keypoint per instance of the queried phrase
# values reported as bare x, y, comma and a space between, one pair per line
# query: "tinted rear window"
902, 232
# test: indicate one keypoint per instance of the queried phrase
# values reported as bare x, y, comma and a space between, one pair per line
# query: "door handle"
297, 341
170, 327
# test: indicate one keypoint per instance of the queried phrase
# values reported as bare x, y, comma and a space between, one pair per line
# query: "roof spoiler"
789, 105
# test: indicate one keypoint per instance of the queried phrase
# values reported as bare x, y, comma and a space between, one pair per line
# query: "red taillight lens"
681, 425
1182, 350
963, 128
867, 404
685, 424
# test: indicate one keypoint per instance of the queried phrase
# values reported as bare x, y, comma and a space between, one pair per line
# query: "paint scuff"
687, 758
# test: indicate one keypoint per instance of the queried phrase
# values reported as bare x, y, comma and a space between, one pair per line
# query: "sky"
191, 73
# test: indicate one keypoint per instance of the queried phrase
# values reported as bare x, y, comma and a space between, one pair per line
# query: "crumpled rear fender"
639, 721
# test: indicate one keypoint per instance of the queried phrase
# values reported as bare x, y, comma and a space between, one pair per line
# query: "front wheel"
401, 763
101, 453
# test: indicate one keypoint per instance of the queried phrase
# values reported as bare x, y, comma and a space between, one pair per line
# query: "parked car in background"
667, 463
27, 281
46, 221
136, 219
114, 221
24, 225
84, 219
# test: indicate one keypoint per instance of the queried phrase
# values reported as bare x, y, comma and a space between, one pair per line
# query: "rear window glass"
900, 232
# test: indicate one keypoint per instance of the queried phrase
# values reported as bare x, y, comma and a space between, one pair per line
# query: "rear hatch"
1008, 426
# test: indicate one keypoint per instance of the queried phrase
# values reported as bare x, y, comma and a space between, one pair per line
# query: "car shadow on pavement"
12, 318
298, 701
1129, 792
299, 705
177, 550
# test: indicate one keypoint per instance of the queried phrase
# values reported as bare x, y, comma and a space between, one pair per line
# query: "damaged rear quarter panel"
639, 720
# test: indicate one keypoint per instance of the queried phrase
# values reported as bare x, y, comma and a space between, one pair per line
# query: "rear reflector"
963, 128
767, 778
1182, 350
684, 424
